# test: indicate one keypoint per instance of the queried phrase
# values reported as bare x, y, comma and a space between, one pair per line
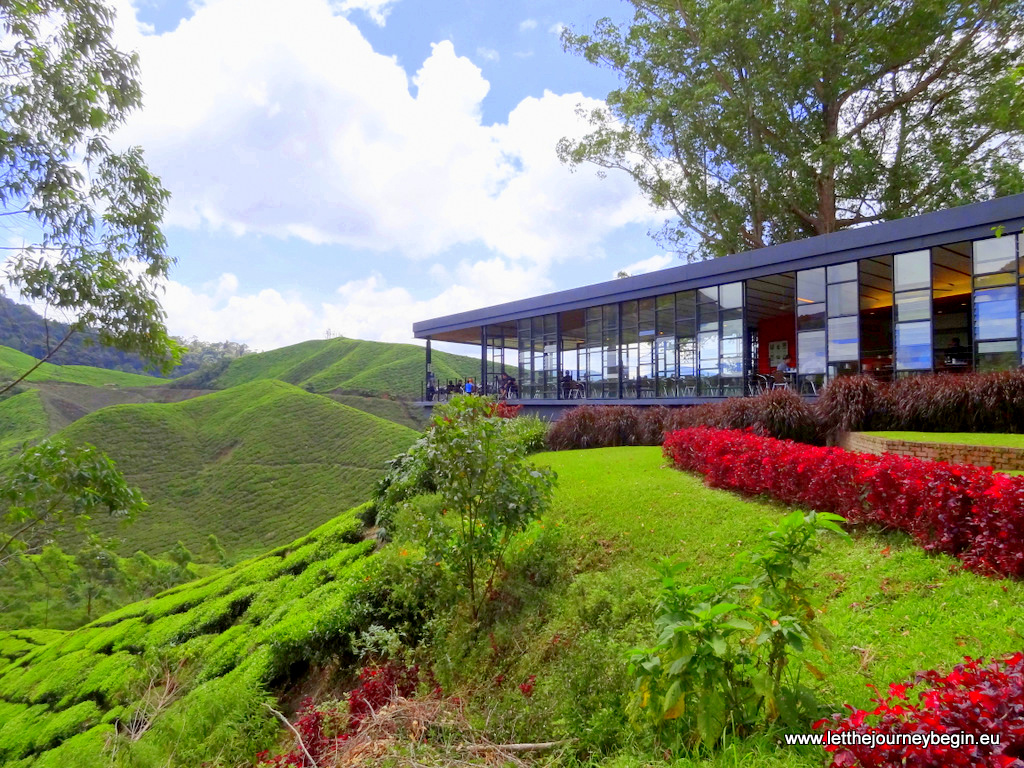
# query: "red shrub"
325, 729
975, 698
965, 511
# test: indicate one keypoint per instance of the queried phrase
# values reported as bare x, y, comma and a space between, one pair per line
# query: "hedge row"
980, 402
969, 512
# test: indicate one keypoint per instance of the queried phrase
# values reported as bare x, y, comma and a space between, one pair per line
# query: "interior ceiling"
770, 296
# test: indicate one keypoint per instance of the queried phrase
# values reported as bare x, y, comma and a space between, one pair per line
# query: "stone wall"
980, 455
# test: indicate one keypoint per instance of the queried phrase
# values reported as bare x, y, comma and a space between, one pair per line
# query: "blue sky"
356, 165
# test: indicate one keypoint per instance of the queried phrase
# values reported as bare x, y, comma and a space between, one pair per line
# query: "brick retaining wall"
997, 457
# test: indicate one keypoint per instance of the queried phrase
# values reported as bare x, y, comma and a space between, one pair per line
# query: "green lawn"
955, 438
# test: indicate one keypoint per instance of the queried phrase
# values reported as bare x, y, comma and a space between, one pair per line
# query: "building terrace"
938, 293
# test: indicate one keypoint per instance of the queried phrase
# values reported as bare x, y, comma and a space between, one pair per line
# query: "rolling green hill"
350, 365
256, 464
22, 418
14, 363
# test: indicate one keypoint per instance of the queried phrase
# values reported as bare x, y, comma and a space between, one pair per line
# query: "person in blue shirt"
469, 386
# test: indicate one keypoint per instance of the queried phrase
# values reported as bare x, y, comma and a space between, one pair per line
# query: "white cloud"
314, 135
377, 10
367, 308
488, 54
523, 54
527, 24
653, 264
556, 29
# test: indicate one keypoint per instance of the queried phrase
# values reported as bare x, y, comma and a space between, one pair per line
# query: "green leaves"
752, 124
54, 485
722, 652
91, 216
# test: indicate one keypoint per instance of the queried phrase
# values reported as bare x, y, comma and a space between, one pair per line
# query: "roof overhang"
968, 222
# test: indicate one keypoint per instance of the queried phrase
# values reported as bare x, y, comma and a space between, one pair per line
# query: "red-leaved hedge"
975, 698
969, 512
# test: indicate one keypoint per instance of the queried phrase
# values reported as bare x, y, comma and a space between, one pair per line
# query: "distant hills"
25, 330
349, 366
257, 464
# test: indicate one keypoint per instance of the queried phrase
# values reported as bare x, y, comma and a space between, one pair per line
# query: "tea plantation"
181, 679
14, 363
351, 365
256, 465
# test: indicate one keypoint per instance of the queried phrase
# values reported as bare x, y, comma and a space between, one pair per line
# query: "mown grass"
14, 363
350, 365
955, 438
256, 465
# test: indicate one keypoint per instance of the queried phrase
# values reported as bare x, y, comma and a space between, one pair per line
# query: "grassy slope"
351, 365
257, 464
955, 438
892, 610
14, 363
22, 418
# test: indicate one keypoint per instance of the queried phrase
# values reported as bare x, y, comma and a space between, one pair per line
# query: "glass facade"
946, 309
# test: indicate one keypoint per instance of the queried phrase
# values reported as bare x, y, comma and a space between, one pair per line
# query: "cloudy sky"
356, 165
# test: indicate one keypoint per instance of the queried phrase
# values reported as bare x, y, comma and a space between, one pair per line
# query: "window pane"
810, 286
913, 305
708, 350
731, 296
665, 302
686, 304
914, 346
913, 270
995, 313
842, 299
842, 339
993, 280
708, 295
811, 352
997, 254
810, 317
842, 272
997, 356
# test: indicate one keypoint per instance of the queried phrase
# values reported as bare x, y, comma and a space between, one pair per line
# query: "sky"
353, 166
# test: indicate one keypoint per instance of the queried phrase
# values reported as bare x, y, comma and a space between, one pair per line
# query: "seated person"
567, 385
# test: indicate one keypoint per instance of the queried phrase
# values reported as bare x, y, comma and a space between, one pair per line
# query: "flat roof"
968, 222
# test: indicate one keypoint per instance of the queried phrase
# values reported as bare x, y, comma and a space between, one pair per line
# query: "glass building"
937, 293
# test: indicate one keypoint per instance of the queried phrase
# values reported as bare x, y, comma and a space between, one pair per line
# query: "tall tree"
758, 123
89, 216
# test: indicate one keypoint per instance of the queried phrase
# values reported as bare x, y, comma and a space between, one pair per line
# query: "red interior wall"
780, 328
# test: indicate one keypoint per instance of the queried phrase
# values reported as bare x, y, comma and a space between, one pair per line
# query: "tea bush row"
978, 402
968, 512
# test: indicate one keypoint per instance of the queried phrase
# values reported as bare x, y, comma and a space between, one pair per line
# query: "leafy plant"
53, 485
720, 661
486, 485
974, 699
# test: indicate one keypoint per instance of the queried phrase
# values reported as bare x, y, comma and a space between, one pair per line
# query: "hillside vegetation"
181, 679
22, 418
256, 465
14, 363
351, 365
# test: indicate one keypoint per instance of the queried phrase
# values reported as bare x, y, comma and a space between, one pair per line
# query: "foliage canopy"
89, 214
757, 124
